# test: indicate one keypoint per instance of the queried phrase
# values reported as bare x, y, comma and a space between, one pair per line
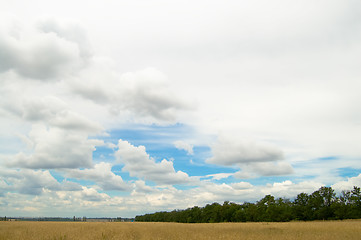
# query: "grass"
327, 230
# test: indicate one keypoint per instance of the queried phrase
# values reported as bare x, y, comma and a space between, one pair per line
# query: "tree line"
322, 204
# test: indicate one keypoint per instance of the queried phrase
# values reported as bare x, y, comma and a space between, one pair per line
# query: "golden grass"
83, 230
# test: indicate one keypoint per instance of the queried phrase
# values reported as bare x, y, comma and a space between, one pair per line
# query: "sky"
120, 108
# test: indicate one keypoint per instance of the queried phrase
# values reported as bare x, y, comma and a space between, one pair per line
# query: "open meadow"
327, 230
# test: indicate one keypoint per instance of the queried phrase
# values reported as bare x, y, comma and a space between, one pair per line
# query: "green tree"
321, 201
240, 214
302, 207
265, 208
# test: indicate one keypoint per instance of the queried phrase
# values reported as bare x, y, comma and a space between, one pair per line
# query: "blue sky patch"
348, 172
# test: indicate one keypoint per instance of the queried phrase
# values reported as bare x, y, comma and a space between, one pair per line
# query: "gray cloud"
70, 32
56, 113
143, 94
284, 70
33, 107
254, 158
272, 169
34, 182
54, 52
227, 152
42, 55
277, 168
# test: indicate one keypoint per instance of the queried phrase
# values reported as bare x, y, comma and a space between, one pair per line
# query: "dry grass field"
82, 230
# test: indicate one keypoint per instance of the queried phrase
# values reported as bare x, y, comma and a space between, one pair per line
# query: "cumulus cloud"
35, 182
139, 164
70, 32
55, 148
36, 54
102, 175
141, 187
267, 58
209, 192
55, 52
236, 192
348, 184
182, 145
145, 199
91, 194
148, 95
289, 189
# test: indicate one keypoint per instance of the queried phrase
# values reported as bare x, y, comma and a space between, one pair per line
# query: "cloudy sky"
118, 108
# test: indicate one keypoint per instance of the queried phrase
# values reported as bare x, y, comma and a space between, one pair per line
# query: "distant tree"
251, 213
341, 207
240, 214
355, 200
321, 204
281, 211
321, 201
302, 207
265, 208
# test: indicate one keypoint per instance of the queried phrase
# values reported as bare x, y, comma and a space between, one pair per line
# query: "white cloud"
56, 148
141, 187
254, 158
271, 168
145, 199
102, 175
69, 31
34, 182
37, 54
253, 170
242, 185
56, 113
48, 110
182, 145
143, 94
348, 184
219, 176
90, 194
285, 72
60, 53
227, 152
139, 164
236, 192
289, 189
30, 209
243, 174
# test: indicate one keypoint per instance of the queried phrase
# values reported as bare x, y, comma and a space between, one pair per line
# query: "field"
327, 230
